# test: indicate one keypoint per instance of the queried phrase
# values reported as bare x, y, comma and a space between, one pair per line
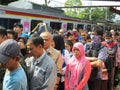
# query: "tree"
94, 14
74, 12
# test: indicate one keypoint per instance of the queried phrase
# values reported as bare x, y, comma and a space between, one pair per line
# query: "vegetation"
97, 13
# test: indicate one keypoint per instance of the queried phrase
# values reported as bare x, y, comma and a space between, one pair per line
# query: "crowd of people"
59, 60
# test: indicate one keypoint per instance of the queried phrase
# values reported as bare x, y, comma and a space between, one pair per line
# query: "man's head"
83, 35
11, 34
47, 37
112, 31
116, 36
108, 37
75, 31
35, 46
96, 35
18, 28
97, 30
9, 53
3, 35
61, 32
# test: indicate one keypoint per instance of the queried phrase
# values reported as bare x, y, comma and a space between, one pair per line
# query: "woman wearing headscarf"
78, 69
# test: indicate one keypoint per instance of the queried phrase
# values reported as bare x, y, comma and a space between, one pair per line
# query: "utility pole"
90, 15
106, 14
45, 2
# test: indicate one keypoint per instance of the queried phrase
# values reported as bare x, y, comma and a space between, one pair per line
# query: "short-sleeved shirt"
102, 55
15, 80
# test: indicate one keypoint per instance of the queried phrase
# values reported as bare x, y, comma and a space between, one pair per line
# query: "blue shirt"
15, 80
42, 72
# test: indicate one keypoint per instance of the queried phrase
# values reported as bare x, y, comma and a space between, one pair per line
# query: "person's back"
17, 77
97, 55
111, 59
3, 37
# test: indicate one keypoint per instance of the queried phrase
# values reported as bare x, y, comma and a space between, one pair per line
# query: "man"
84, 36
53, 53
111, 59
41, 68
15, 78
11, 34
3, 37
77, 35
61, 32
97, 54
18, 28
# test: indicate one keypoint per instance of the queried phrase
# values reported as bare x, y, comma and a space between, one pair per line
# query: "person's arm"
66, 78
59, 70
14, 85
118, 57
36, 27
92, 59
51, 75
101, 57
86, 76
97, 63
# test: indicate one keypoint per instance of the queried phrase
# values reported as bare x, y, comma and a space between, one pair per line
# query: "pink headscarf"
76, 65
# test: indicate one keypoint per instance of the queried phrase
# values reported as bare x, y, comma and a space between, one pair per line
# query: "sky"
58, 3
53, 2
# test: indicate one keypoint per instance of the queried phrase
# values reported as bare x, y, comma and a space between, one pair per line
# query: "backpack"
93, 51
110, 60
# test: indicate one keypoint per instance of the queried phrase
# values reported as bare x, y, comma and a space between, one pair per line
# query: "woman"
78, 69
59, 45
68, 46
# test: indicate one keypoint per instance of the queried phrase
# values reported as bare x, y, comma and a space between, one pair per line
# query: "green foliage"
74, 12
95, 14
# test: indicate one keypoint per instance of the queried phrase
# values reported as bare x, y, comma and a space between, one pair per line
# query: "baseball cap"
8, 49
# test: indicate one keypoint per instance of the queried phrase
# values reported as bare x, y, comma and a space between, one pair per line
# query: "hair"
18, 24
59, 42
9, 31
116, 34
69, 43
3, 32
108, 34
37, 40
88, 36
98, 30
76, 29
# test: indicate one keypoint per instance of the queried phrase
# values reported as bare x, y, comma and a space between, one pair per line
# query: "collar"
49, 51
38, 60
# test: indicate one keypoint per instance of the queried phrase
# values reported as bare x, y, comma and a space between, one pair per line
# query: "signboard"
26, 27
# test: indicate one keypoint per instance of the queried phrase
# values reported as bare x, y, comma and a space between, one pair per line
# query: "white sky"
85, 3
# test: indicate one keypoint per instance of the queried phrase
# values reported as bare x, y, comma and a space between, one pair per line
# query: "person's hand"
38, 24
118, 64
104, 71
56, 87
